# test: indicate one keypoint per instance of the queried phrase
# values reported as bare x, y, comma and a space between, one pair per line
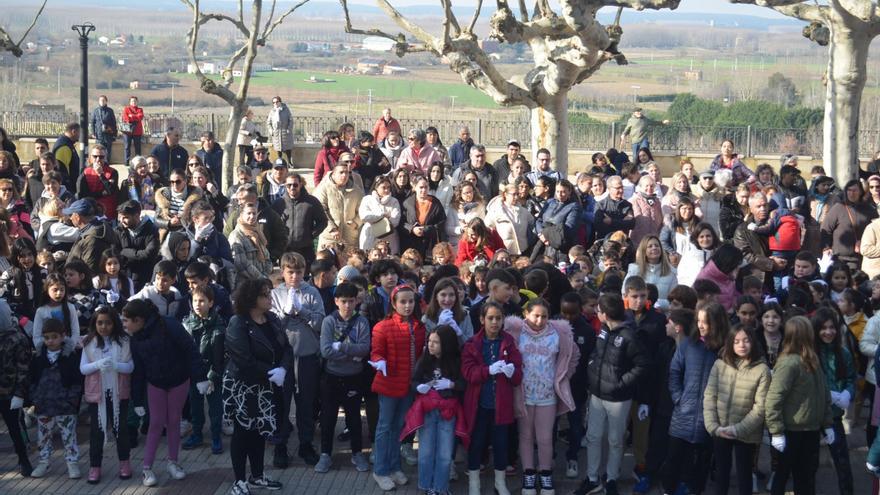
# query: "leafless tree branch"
476, 16
278, 21
6, 42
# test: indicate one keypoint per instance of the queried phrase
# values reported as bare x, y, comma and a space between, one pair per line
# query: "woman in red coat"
492, 366
134, 115
397, 343
478, 240
331, 150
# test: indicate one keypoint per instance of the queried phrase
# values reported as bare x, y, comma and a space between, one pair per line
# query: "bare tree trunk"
847, 74
549, 125
236, 112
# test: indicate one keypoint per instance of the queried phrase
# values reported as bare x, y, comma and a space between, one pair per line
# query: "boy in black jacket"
56, 388
585, 339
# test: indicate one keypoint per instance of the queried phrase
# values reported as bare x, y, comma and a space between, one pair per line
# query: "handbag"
126, 127
381, 228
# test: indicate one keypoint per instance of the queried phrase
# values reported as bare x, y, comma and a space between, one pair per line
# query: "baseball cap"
84, 206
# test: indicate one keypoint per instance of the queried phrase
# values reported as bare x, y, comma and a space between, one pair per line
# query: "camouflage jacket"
15, 360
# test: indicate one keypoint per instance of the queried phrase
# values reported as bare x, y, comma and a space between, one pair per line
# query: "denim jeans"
128, 142
436, 447
636, 147
197, 411
392, 413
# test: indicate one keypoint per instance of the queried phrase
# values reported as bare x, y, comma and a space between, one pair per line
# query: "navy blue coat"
688, 376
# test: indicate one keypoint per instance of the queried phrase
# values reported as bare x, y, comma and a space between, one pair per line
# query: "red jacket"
381, 128
787, 236
391, 341
467, 251
134, 116
326, 159
449, 409
476, 372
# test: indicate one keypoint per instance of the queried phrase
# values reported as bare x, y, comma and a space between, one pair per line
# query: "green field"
391, 87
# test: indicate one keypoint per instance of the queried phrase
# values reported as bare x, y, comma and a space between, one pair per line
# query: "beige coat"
512, 224
341, 207
870, 248
735, 397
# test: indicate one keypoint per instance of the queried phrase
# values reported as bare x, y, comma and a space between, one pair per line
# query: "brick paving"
209, 474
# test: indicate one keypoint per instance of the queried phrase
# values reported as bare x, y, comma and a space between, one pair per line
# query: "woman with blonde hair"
681, 188
798, 407
653, 265
510, 220
653, 171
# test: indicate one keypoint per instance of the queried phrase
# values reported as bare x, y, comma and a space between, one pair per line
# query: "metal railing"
675, 139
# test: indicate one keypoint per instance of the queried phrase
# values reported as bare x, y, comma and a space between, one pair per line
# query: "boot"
546, 479
529, 483
474, 482
501, 482
25, 467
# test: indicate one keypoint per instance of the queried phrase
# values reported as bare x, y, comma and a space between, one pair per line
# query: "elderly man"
754, 246
418, 157
385, 124
95, 237
103, 125
271, 224
613, 213
487, 177
461, 150
170, 153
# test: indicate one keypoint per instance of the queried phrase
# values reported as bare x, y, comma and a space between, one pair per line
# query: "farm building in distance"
369, 65
377, 44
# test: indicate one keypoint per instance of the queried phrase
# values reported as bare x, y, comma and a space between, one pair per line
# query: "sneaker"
73, 471
280, 459
509, 471
399, 478
571, 470
386, 484
307, 453
41, 469
360, 462
453, 474
94, 476
185, 427
240, 487
216, 445
409, 454
175, 471
611, 487
124, 470
150, 478
264, 482
228, 428
643, 485
545, 479
588, 487
529, 482
324, 464
193, 442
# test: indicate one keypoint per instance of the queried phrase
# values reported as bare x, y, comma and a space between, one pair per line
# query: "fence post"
613, 135
749, 141
213, 124
480, 131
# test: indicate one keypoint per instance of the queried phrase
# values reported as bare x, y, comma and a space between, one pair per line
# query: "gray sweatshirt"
354, 349
303, 327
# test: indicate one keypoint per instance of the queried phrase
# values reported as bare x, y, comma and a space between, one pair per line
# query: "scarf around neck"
256, 236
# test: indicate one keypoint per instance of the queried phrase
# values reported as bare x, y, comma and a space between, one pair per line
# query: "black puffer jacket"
165, 356
730, 217
139, 249
304, 217
651, 330
618, 365
251, 355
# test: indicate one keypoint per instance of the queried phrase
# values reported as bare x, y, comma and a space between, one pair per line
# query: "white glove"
112, 297
336, 346
380, 366
643, 412
446, 317
843, 399
140, 411
276, 376
423, 388
210, 389
452, 324
202, 387
443, 384
829, 436
778, 442
105, 364
508, 369
16, 403
752, 226
496, 367
875, 470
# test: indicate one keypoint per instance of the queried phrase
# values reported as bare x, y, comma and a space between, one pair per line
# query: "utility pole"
452, 110
172, 97
370, 102
84, 30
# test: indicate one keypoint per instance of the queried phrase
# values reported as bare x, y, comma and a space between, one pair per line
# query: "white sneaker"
228, 428
571, 470
176, 471
399, 478
73, 471
185, 427
150, 478
386, 484
240, 488
40, 469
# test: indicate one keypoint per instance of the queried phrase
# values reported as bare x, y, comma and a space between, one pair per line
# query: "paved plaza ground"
212, 474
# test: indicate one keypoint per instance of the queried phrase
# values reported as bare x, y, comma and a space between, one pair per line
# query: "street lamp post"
84, 30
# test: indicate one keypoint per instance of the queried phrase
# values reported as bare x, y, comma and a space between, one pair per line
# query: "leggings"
246, 445
800, 461
728, 452
96, 436
486, 432
690, 464
537, 426
166, 408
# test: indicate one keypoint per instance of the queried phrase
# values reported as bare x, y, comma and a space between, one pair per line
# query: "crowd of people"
447, 304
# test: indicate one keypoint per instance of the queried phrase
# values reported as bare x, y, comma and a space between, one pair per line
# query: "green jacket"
829, 367
735, 396
210, 337
798, 400
636, 129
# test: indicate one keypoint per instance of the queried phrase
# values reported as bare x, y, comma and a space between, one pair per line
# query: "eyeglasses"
99, 156
177, 181
707, 178
292, 185
6, 189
